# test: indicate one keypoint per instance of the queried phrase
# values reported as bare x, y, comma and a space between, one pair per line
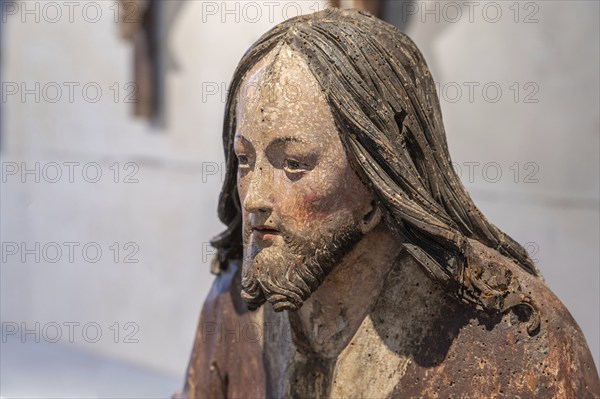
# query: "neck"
331, 316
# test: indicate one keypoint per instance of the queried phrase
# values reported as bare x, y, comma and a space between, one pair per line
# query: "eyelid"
240, 144
243, 161
296, 161
240, 149
309, 160
302, 166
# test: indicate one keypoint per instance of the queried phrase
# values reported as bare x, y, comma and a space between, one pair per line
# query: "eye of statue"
242, 160
294, 166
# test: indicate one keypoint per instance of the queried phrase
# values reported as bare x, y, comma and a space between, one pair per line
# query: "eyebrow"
277, 140
286, 139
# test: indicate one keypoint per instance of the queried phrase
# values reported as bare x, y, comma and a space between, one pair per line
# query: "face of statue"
303, 206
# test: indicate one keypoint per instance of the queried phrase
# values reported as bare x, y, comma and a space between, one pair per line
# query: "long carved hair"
385, 106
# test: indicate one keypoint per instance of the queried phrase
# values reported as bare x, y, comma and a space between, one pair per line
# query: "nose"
259, 194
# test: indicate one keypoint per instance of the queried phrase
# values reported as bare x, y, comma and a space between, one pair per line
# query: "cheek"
322, 202
312, 207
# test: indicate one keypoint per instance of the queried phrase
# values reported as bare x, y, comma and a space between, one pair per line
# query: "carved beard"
286, 276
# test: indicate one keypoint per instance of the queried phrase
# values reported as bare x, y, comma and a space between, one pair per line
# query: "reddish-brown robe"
471, 355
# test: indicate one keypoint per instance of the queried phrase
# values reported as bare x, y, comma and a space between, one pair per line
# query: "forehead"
280, 96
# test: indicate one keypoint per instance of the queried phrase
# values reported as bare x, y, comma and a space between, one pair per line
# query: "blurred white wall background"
520, 96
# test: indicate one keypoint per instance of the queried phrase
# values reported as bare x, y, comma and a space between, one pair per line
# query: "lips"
264, 233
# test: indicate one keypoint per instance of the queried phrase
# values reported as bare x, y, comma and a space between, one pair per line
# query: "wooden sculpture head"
303, 206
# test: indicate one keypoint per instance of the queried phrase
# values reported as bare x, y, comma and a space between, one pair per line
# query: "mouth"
264, 233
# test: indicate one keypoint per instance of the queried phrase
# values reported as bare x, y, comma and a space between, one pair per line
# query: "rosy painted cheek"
308, 209
315, 200
312, 208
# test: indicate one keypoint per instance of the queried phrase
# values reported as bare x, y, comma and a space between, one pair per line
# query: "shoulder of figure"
556, 356
217, 367
224, 299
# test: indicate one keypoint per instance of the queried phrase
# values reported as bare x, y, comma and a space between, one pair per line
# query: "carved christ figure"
354, 263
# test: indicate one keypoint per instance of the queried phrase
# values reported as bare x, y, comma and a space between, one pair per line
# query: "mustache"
271, 222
